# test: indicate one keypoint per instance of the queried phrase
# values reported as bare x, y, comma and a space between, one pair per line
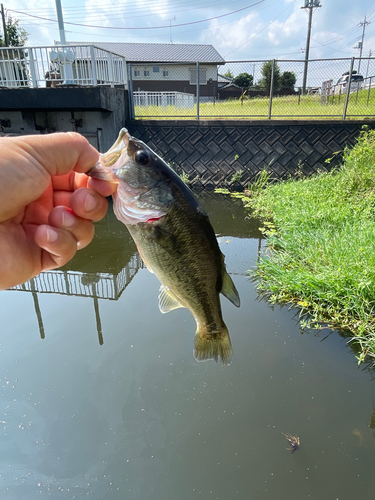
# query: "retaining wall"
210, 152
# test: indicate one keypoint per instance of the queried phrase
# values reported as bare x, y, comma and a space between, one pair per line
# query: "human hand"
47, 203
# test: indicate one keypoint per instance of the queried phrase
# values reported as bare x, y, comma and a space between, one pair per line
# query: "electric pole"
364, 24
309, 4
60, 21
4, 27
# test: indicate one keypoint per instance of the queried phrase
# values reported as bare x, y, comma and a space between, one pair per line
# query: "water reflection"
137, 418
107, 266
101, 271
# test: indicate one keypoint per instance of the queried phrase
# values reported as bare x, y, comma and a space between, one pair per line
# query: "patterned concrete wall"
210, 152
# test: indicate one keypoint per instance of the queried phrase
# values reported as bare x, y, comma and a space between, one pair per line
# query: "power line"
256, 34
282, 26
150, 36
143, 27
121, 6
116, 11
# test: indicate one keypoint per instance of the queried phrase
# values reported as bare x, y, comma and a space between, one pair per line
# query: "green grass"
283, 107
321, 244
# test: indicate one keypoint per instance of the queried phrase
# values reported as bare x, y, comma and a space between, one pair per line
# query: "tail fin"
215, 345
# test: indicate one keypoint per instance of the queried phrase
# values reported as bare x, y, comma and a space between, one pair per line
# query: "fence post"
197, 90
130, 93
369, 88
110, 70
32, 69
93, 66
348, 89
271, 89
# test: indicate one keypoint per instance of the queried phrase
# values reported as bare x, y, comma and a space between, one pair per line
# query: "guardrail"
49, 66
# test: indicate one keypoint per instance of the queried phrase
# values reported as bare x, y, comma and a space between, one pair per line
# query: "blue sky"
262, 30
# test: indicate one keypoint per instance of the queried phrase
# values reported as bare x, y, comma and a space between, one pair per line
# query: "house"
165, 67
222, 81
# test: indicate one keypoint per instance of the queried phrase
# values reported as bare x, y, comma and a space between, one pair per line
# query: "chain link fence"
273, 89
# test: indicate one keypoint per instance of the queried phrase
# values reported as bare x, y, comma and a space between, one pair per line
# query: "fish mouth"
105, 167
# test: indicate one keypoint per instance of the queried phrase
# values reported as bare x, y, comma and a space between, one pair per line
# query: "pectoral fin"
229, 290
167, 301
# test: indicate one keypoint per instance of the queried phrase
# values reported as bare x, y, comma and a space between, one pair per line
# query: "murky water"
101, 396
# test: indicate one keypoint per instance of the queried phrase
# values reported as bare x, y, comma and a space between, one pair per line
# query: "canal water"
102, 398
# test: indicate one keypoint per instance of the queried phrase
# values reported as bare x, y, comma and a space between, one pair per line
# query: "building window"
137, 73
146, 73
155, 69
202, 76
165, 73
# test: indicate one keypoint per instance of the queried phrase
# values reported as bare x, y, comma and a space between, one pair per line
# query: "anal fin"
167, 301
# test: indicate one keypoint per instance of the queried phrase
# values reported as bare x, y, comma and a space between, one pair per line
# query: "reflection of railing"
107, 286
94, 285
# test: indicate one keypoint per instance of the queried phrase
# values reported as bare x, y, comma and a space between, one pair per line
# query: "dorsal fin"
167, 301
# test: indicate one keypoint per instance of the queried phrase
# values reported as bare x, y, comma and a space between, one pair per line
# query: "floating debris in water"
293, 441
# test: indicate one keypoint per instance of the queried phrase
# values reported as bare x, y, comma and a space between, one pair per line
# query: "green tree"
267, 74
288, 79
243, 80
228, 74
17, 36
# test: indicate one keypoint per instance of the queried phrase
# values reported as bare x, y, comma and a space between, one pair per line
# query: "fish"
174, 237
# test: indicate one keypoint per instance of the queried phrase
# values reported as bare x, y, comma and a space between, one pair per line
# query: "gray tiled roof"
161, 52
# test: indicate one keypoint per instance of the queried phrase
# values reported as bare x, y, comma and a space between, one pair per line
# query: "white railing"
163, 99
100, 285
51, 65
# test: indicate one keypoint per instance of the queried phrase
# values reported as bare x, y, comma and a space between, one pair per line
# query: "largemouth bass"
174, 238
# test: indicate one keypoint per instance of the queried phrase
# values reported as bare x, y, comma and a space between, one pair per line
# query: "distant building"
163, 67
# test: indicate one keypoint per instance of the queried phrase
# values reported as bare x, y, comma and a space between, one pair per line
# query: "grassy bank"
292, 107
321, 244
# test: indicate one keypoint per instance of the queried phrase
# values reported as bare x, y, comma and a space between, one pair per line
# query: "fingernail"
68, 219
51, 235
90, 203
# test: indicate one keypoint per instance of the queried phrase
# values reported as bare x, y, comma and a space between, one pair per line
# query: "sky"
239, 30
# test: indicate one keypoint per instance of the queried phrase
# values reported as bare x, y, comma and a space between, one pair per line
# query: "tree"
267, 74
243, 80
288, 79
228, 74
17, 36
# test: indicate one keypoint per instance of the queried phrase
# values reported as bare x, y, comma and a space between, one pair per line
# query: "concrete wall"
98, 113
210, 152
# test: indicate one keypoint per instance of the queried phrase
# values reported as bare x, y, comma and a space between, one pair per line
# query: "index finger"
57, 153
72, 181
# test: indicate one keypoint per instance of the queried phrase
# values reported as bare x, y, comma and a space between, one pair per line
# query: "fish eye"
142, 157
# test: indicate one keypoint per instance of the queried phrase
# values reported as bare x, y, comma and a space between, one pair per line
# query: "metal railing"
261, 89
99, 285
49, 66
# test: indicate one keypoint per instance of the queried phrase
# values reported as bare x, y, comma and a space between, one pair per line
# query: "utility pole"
4, 27
364, 24
60, 21
170, 28
309, 4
